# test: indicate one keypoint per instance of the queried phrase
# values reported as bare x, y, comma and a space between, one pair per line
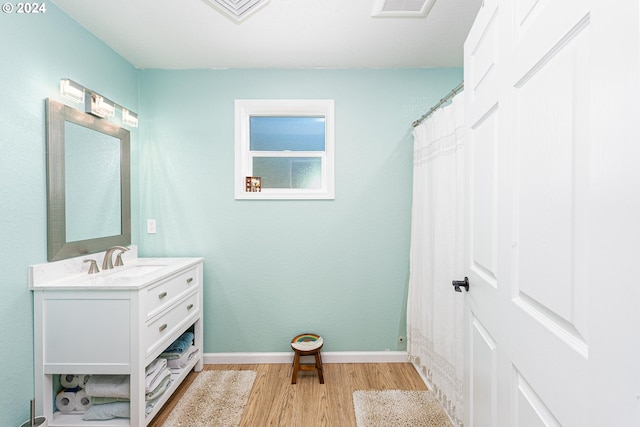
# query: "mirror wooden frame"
57, 246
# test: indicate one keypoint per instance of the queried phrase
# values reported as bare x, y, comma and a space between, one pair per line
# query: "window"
284, 149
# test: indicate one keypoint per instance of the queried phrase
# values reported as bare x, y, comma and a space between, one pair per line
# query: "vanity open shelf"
115, 322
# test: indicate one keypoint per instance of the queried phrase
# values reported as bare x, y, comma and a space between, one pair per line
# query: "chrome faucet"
107, 262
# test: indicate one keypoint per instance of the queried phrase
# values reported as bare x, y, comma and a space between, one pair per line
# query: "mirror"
88, 183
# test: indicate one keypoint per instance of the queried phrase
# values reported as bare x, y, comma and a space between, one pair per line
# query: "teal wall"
36, 51
272, 268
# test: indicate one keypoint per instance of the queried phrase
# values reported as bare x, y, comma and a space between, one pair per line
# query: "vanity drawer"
160, 296
162, 327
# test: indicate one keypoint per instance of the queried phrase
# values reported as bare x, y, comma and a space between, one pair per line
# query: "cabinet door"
81, 336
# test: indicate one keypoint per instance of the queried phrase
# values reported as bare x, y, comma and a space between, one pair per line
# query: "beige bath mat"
214, 399
396, 408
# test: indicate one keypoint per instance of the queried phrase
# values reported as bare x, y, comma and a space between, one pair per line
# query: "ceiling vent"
237, 10
402, 8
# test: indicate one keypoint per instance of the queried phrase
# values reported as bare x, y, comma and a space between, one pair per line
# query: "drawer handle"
190, 306
162, 295
190, 279
163, 327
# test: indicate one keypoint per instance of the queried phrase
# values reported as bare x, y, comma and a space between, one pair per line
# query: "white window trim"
245, 108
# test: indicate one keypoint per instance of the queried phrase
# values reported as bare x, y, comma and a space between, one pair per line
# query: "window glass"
288, 172
271, 133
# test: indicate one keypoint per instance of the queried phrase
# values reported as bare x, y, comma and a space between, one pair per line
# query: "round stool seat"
307, 342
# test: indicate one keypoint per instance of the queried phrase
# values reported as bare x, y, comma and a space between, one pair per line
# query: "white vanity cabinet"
115, 322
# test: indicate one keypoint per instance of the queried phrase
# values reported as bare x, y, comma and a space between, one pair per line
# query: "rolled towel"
70, 381
65, 401
82, 401
108, 386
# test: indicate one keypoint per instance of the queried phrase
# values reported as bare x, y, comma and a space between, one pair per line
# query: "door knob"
461, 283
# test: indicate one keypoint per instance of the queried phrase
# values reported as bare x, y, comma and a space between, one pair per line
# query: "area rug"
214, 399
395, 408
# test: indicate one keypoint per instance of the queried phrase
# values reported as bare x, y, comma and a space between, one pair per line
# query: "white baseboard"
287, 357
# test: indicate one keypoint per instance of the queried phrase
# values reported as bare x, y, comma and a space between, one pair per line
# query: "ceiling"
186, 34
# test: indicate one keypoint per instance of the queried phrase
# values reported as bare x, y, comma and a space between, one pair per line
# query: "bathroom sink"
137, 270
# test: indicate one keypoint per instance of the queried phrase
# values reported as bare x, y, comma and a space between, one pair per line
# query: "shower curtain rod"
450, 95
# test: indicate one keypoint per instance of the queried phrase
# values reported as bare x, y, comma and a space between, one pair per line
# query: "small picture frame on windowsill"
253, 184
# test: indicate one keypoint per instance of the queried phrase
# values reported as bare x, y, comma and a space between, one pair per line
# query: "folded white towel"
152, 372
183, 360
152, 385
160, 388
155, 366
108, 386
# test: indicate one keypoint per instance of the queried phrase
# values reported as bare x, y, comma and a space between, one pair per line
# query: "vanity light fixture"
99, 106
129, 118
94, 103
72, 90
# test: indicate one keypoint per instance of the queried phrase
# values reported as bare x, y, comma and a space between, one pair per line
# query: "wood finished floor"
274, 401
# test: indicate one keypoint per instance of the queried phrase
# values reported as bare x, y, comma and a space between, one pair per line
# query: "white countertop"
136, 272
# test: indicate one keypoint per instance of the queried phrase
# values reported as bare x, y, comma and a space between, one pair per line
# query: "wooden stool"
307, 345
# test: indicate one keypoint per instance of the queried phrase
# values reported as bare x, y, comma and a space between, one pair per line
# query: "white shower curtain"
434, 310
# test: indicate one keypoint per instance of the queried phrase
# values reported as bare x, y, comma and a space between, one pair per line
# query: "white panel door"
536, 352
482, 113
